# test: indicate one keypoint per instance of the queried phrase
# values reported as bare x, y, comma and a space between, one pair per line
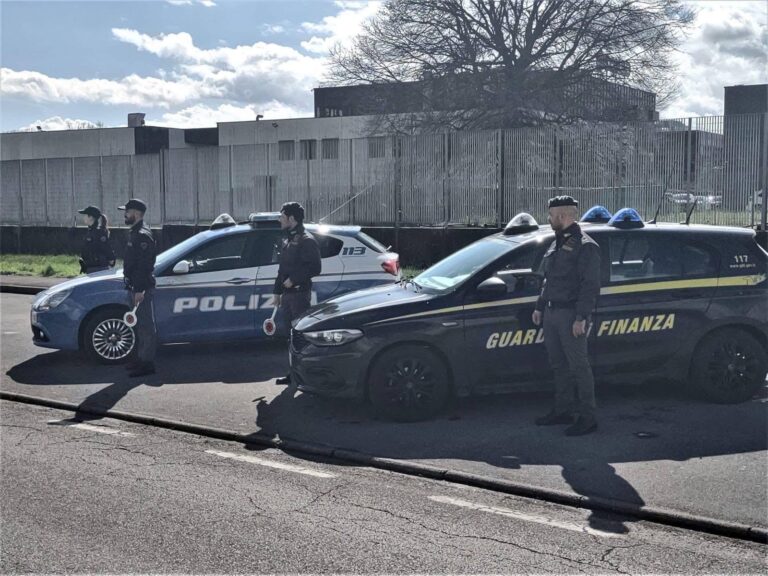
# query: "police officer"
299, 263
138, 268
96, 253
568, 297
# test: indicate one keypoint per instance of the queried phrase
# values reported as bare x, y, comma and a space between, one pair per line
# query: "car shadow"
495, 436
227, 362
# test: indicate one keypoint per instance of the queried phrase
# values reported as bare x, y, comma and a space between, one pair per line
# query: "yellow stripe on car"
727, 281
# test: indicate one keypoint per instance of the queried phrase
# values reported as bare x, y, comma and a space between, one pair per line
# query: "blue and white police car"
678, 302
215, 285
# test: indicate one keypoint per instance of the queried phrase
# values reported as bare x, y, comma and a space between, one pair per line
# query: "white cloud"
59, 123
340, 28
273, 29
134, 90
729, 46
203, 116
206, 3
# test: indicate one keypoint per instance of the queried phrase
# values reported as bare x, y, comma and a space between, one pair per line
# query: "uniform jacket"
572, 272
299, 261
139, 262
97, 250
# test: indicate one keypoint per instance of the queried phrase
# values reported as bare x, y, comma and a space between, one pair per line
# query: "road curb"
16, 289
598, 504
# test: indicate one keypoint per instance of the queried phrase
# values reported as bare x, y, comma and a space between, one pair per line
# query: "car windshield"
173, 254
450, 272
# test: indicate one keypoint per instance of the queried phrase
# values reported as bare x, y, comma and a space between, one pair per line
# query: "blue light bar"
597, 215
626, 218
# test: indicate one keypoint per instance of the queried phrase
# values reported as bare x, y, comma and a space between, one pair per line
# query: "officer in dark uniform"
138, 268
568, 297
299, 263
96, 253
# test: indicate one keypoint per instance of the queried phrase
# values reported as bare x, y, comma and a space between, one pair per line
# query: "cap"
91, 211
558, 201
134, 204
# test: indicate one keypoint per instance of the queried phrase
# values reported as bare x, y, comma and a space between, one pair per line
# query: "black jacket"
572, 272
299, 261
139, 262
97, 250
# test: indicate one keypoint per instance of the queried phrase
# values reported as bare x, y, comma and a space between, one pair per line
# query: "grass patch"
411, 271
53, 266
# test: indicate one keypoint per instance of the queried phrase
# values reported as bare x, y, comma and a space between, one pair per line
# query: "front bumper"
332, 371
55, 328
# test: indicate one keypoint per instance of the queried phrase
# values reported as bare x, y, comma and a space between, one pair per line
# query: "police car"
215, 285
680, 302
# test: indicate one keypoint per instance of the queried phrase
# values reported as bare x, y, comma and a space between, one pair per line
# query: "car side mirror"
491, 287
526, 280
181, 267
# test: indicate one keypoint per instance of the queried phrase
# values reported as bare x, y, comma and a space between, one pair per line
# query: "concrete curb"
648, 513
16, 289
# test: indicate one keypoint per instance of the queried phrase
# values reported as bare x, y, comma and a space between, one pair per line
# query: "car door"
214, 299
502, 344
658, 290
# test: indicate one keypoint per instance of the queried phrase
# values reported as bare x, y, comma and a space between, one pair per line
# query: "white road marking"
271, 464
90, 427
9, 333
526, 517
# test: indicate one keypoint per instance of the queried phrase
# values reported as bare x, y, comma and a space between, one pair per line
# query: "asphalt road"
655, 446
116, 497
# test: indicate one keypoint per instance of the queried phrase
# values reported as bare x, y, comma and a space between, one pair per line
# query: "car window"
450, 272
329, 246
699, 261
266, 247
641, 258
523, 258
223, 254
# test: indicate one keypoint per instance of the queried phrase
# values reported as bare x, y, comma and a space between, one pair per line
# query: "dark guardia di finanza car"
681, 302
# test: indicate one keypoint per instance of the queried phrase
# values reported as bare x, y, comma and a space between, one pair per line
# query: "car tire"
107, 339
408, 384
729, 366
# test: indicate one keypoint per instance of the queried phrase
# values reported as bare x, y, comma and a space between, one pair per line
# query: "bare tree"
505, 63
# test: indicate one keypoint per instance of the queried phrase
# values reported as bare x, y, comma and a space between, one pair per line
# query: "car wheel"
107, 339
407, 384
729, 366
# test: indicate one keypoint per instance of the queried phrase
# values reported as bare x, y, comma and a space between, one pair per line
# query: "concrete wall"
67, 143
264, 132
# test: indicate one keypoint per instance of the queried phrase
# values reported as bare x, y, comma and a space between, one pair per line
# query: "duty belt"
551, 304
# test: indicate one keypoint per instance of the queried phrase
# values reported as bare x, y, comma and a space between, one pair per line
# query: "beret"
562, 201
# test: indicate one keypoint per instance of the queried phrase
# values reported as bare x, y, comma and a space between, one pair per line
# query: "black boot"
554, 418
143, 369
581, 427
283, 380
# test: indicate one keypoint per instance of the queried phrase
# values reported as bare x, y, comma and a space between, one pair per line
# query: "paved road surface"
655, 446
118, 497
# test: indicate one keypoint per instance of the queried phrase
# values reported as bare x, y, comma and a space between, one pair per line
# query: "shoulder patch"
103, 238
144, 245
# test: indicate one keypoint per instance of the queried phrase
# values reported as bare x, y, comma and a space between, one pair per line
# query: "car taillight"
391, 266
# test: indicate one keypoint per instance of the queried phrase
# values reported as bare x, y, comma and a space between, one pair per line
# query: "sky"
192, 63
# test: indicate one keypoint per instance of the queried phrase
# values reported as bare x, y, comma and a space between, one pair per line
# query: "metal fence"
472, 178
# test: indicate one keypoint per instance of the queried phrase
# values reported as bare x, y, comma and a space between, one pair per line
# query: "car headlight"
332, 337
50, 301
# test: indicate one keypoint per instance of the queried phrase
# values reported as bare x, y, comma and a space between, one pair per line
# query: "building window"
330, 148
376, 147
308, 149
286, 150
